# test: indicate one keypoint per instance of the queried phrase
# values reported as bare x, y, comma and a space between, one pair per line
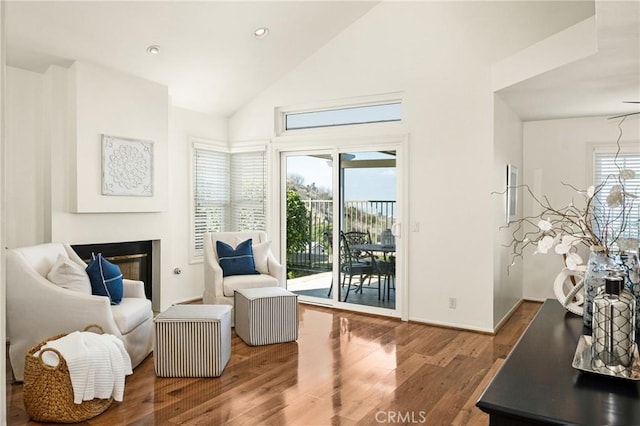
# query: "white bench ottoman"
192, 341
266, 315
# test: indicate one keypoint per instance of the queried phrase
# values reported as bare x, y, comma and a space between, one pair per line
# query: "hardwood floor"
346, 368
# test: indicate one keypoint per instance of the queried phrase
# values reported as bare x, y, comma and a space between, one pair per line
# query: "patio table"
387, 271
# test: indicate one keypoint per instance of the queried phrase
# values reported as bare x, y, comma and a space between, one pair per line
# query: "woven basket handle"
90, 326
47, 366
60, 358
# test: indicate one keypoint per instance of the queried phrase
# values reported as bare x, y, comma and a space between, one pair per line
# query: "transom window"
364, 114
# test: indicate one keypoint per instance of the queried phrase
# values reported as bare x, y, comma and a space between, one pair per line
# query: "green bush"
297, 224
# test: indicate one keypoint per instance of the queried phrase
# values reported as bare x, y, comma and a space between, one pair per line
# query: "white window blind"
248, 182
212, 197
606, 171
229, 192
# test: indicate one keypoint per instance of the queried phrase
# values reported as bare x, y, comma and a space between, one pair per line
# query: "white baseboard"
453, 326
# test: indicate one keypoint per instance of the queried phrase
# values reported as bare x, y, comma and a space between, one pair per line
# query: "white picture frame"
512, 193
127, 166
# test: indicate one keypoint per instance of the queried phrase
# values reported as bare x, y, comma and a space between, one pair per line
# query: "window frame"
236, 201
624, 148
195, 255
363, 101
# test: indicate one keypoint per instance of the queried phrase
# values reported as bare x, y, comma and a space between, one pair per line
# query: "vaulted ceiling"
209, 57
212, 63
597, 84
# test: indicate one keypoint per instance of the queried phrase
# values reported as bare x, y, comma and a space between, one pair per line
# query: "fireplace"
134, 258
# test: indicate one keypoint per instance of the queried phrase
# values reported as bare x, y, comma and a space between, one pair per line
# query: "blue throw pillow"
238, 261
106, 278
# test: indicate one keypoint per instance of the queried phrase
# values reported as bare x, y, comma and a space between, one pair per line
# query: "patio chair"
387, 270
359, 237
354, 262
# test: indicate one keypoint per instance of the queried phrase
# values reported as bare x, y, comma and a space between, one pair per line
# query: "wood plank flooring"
345, 369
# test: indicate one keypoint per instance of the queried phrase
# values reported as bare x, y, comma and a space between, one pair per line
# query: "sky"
344, 116
360, 183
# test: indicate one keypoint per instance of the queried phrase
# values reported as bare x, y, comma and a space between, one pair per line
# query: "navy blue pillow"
238, 261
106, 278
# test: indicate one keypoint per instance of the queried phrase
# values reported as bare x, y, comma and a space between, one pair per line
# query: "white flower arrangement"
600, 225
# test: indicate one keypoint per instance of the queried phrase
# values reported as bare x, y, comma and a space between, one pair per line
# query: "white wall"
186, 125
116, 104
3, 197
77, 120
439, 55
507, 280
557, 151
55, 127
25, 172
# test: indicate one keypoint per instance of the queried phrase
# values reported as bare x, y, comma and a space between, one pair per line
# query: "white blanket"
98, 364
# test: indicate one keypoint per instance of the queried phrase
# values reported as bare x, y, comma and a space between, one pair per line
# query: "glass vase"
631, 264
598, 266
613, 327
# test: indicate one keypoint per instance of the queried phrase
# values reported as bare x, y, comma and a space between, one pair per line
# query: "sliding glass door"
309, 224
341, 215
368, 206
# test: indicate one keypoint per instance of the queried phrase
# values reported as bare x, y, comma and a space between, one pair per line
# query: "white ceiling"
212, 63
209, 59
593, 86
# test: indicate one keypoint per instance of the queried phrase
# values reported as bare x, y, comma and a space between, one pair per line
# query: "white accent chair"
219, 290
38, 309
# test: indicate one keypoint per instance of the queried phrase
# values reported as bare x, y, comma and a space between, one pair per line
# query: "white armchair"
38, 309
218, 290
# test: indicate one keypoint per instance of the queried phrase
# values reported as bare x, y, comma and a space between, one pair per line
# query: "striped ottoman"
192, 341
266, 315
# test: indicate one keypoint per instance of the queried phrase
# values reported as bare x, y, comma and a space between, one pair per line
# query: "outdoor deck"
317, 285
315, 262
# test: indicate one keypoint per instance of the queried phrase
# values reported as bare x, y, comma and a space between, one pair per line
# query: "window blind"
212, 198
606, 171
248, 195
229, 193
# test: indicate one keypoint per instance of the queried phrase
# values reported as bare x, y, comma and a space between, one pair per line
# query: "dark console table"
538, 385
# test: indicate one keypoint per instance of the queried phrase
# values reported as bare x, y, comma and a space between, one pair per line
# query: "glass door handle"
396, 229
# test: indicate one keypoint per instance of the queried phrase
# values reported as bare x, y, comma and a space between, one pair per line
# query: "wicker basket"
48, 394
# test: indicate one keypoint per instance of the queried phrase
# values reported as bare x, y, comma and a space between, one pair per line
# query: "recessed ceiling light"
261, 32
153, 49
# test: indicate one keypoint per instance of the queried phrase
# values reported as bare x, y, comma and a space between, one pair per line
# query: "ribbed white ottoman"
266, 315
192, 341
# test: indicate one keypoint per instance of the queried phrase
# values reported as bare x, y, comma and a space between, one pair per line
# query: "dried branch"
601, 223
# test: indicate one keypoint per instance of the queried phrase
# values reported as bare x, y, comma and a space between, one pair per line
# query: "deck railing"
373, 216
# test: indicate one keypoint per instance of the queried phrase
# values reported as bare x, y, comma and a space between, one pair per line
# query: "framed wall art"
127, 166
512, 192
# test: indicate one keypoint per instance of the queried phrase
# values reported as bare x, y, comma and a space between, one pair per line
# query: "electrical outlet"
452, 302
416, 227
